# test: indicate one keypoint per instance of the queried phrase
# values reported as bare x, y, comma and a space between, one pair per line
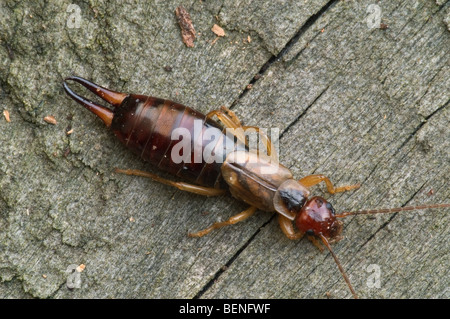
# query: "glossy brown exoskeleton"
145, 125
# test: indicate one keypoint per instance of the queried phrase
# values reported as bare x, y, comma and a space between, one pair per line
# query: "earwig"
145, 125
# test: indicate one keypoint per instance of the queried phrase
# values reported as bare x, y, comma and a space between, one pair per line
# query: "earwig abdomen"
145, 125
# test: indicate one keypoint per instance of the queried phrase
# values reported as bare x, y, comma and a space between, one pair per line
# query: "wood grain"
358, 104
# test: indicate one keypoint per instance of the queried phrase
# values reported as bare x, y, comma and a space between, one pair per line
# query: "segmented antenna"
391, 210
341, 269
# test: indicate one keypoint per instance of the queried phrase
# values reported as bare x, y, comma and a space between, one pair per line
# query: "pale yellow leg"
266, 141
205, 191
232, 115
288, 229
233, 220
316, 243
229, 123
312, 180
230, 120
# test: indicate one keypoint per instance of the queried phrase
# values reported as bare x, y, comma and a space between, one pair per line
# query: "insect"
146, 125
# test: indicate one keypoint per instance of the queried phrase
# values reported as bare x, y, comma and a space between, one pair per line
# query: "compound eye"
310, 232
331, 208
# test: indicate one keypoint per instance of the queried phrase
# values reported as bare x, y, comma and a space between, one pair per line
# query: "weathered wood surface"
358, 104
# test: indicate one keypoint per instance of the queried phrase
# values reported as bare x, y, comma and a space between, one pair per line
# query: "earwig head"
314, 216
317, 217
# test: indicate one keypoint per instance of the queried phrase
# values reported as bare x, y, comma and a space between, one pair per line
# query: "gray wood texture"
358, 104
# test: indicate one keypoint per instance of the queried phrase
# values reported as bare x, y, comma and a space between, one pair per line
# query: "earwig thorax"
289, 198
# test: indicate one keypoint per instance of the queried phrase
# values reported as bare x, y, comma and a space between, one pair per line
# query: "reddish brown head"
317, 217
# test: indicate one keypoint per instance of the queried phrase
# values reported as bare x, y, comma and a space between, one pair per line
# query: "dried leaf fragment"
50, 119
187, 28
6, 115
218, 30
80, 268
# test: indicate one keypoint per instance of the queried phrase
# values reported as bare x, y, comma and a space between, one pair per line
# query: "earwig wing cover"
254, 178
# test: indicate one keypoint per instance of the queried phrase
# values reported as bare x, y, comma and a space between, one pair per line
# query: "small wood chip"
218, 30
6, 115
50, 119
187, 28
214, 41
80, 268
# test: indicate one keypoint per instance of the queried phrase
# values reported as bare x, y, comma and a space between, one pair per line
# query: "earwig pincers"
146, 126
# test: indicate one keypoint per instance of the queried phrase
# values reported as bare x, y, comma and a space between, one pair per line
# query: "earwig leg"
316, 243
312, 180
229, 123
205, 191
227, 120
232, 115
233, 220
265, 139
288, 229
230, 120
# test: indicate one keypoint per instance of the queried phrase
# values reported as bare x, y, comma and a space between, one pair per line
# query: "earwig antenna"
391, 210
341, 269
372, 211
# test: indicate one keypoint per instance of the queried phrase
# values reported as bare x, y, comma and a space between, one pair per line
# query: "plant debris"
6, 115
218, 30
187, 28
80, 268
50, 119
